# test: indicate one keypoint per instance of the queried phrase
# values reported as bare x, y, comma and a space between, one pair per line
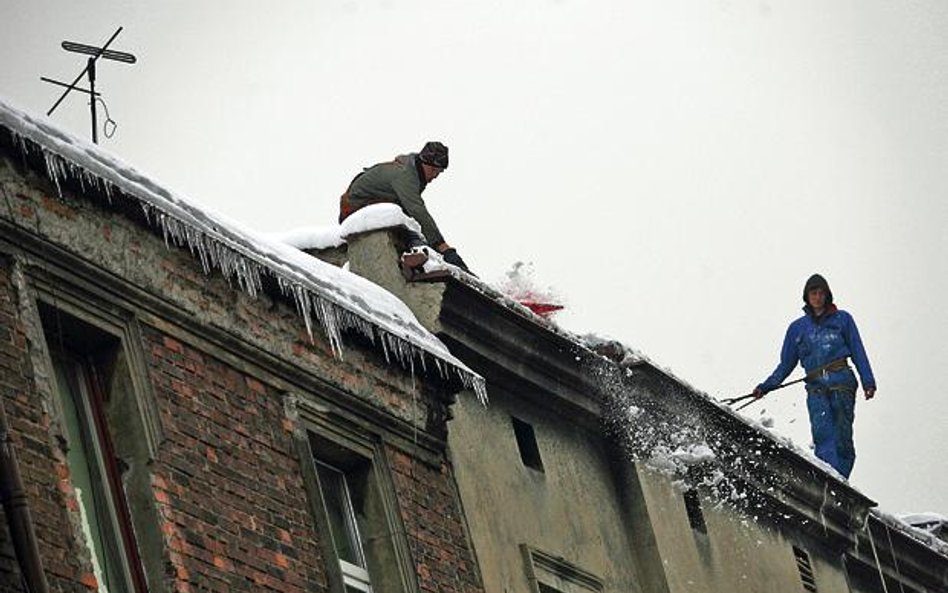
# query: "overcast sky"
675, 170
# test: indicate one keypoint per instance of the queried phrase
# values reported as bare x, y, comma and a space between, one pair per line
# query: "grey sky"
674, 169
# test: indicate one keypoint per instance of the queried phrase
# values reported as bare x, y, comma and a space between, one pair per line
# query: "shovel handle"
734, 400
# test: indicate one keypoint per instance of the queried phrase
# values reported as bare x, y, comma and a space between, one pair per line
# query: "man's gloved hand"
451, 256
758, 393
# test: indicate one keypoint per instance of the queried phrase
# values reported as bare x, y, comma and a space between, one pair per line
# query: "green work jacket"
400, 181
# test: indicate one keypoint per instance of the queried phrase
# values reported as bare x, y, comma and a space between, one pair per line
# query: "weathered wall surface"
435, 525
738, 552
571, 509
142, 259
42, 465
226, 480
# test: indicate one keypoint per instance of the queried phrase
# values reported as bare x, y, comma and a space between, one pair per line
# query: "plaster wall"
570, 510
738, 553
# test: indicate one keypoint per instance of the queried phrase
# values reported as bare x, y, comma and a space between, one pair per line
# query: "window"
695, 514
353, 501
547, 573
806, 570
527, 444
343, 526
92, 390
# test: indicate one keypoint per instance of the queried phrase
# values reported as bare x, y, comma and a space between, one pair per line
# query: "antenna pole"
95, 53
95, 124
102, 49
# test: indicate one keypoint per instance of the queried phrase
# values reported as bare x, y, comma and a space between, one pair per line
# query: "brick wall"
430, 510
226, 481
228, 484
42, 465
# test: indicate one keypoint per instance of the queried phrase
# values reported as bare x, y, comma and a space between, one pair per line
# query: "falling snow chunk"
335, 299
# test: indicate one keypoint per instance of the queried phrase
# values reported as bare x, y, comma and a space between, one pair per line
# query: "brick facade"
429, 507
228, 484
42, 467
226, 480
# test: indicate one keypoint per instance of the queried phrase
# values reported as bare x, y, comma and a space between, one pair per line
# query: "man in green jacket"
401, 182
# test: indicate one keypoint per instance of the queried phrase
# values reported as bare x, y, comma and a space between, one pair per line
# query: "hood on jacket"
817, 281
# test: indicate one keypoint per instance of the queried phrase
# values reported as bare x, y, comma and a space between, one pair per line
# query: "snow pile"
375, 217
619, 353
930, 522
371, 218
926, 528
933, 525
310, 237
337, 300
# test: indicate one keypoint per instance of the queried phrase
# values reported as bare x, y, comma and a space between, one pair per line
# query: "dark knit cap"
817, 281
434, 154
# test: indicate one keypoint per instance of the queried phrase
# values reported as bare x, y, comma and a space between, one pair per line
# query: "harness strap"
836, 365
830, 388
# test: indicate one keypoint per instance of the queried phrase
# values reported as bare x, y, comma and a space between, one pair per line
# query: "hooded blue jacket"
815, 342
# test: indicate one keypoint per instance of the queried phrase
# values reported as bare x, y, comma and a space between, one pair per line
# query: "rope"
106, 130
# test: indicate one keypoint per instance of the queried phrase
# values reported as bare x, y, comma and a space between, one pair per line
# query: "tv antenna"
95, 53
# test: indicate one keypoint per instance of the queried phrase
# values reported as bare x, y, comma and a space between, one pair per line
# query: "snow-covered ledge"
370, 242
330, 243
325, 297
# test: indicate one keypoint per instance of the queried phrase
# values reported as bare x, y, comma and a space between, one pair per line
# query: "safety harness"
823, 372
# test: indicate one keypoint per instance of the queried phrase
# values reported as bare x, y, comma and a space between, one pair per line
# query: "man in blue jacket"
821, 341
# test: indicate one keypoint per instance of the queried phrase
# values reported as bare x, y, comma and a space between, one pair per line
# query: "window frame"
548, 572
352, 573
335, 428
107, 313
78, 368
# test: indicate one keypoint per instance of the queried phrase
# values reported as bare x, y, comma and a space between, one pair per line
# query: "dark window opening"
91, 385
527, 444
695, 514
806, 570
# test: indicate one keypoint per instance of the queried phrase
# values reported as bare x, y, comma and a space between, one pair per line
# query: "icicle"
479, 385
233, 254
52, 170
20, 143
107, 186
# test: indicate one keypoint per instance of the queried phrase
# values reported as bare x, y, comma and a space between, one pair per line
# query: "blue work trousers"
831, 424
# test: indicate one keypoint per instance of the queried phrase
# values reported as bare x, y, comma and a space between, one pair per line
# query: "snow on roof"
370, 218
336, 299
679, 443
922, 527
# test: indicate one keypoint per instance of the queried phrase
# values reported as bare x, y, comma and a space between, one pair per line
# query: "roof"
334, 299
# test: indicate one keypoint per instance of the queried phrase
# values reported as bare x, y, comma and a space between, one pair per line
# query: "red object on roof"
541, 309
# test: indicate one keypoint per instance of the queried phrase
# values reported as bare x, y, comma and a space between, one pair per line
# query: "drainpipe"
18, 514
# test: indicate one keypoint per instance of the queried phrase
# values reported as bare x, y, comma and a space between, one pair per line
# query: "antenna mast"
90, 71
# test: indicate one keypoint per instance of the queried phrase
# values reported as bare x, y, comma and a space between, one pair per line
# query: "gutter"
17, 512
